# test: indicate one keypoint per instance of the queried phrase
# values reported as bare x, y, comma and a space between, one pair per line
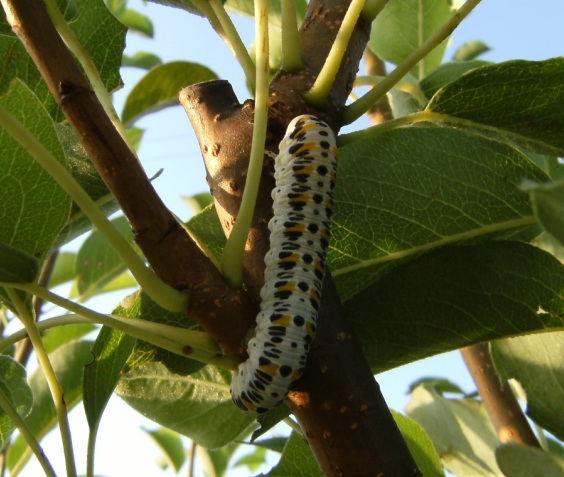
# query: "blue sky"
513, 28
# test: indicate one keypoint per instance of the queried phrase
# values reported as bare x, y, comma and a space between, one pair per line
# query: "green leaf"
159, 88
403, 25
137, 22
536, 362
420, 446
141, 59
198, 406
440, 385
169, 442
297, 460
525, 461
457, 297
198, 202
522, 100
183, 4
68, 362
470, 50
17, 266
110, 351
460, 430
548, 204
446, 74
56, 337
105, 45
34, 207
14, 387
97, 262
413, 190
206, 230
64, 270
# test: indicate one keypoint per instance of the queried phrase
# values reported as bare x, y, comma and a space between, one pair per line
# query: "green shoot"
363, 104
319, 92
220, 21
32, 442
232, 264
55, 388
291, 50
163, 294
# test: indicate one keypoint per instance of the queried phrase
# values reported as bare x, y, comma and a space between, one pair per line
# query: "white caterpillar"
304, 171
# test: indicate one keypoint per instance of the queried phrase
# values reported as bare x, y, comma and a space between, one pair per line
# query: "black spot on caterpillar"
304, 171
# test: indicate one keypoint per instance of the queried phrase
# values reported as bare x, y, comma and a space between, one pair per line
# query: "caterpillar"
304, 173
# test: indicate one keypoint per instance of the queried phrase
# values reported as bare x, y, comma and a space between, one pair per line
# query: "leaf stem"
319, 92
363, 104
193, 344
232, 264
163, 294
77, 48
32, 442
55, 388
291, 50
220, 21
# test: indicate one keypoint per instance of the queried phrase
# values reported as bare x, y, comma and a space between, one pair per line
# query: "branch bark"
501, 405
337, 402
174, 256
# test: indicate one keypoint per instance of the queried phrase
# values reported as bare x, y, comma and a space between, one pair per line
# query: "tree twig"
499, 401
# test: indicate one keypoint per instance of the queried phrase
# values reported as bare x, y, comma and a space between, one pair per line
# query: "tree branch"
501, 405
173, 255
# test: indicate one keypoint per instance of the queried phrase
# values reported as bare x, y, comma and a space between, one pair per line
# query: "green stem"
232, 264
194, 344
220, 21
363, 104
160, 292
32, 442
78, 50
319, 92
55, 388
291, 50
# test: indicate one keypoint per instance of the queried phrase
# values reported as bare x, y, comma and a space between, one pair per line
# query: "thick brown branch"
169, 250
501, 405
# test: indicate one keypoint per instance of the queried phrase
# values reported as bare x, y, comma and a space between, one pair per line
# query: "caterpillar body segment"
304, 172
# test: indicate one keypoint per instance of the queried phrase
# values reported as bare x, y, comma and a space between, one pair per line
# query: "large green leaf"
447, 73
456, 297
526, 461
34, 207
460, 430
14, 387
548, 204
198, 406
414, 190
403, 25
536, 361
68, 362
160, 87
17, 266
522, 100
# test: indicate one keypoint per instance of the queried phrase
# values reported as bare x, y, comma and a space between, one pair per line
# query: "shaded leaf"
457, 297
14, 387
17, 266
441, 385
470, 50
34, 207
198, 406
460, 430
420, 446
160, 87
522, 100
68, 362
526, 461
413, 190
446, 74
137, 22
296, 461
56, 337
403, 25
548, 204
141, 59
536, 362
169, 442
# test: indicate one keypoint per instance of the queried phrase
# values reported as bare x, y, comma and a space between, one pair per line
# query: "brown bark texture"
501, 405
174, 256
337, 401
